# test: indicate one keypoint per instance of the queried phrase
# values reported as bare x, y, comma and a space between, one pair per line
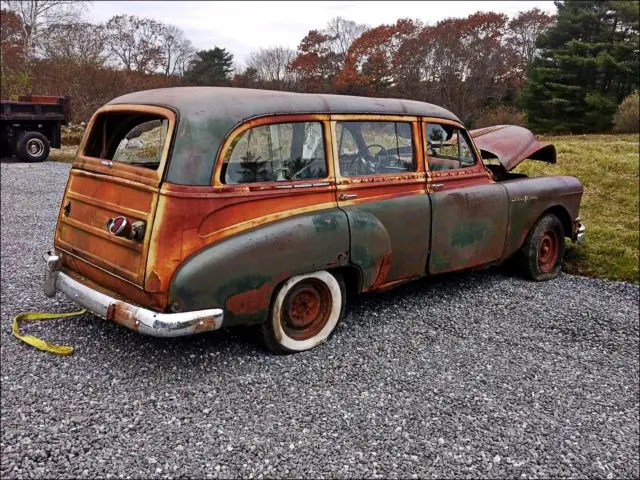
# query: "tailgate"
90, 201
117, 173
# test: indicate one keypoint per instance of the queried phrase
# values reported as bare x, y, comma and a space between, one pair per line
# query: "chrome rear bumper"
131, 316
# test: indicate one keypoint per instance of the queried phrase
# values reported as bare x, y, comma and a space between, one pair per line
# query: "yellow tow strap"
36, 342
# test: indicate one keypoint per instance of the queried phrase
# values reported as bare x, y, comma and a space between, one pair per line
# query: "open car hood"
511, 144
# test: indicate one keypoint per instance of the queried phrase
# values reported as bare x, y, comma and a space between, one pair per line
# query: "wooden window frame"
275, 120
124, 170
416, 143
473, 170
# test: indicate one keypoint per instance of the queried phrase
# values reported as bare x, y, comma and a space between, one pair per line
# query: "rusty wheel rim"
306, 310
548, 252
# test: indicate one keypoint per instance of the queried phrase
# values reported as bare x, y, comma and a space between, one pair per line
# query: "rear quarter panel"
530, 198
241, 272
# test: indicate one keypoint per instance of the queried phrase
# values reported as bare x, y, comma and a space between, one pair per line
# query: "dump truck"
30, 126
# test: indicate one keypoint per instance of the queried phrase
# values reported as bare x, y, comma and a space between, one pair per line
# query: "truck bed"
35, 108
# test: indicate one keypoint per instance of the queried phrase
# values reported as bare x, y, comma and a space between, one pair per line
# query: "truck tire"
32, 147
542, 253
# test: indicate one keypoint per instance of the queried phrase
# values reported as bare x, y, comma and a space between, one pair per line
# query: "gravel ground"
474, 375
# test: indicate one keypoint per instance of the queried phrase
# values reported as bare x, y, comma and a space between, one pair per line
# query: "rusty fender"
239, 274
530, 198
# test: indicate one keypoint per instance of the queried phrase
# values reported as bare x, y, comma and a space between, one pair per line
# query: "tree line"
563, 72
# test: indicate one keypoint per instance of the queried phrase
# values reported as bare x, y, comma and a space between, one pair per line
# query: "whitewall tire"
305, 312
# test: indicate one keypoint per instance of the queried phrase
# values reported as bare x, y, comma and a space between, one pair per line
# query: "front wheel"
542, 253
305, 312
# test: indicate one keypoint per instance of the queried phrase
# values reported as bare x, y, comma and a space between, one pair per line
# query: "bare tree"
135, 42
83, 43
38, 15
344, 32
272, 66
177, 51
184, 55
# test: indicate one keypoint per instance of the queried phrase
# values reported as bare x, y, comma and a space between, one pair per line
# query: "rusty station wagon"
189, 209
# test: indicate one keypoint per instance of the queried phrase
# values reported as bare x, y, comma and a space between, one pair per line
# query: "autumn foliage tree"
522, 34
369, 65
38, 16
482, 67
322, 53
11, 40
316, 63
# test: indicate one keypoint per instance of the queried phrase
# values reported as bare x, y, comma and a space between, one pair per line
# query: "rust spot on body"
383, 271
153, 282
256, 300
250, 301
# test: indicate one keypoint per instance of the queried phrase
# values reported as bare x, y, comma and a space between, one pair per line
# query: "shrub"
72, 135
500, 115
627, 117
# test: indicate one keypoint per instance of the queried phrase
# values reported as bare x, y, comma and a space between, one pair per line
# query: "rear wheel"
542, 253
305, 312
32, 147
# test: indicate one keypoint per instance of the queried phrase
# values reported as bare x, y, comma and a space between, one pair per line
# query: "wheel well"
352, 279
564, 217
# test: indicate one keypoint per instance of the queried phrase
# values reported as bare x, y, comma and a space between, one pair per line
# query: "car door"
381, 188
469, 212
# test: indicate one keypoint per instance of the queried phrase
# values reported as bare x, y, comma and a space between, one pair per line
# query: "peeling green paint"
470, 232
245, 269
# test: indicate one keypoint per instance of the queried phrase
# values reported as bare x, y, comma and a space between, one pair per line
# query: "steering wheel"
367, 163
296, 175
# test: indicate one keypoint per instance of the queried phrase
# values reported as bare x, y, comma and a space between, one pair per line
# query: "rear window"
133, 138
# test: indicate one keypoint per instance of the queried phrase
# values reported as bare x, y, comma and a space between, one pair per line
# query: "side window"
448, 148
276, 153
375, 148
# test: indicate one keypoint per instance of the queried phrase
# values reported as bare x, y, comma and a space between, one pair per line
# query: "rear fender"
240, 273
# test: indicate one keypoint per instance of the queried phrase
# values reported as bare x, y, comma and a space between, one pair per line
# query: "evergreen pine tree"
210, 68
588, 62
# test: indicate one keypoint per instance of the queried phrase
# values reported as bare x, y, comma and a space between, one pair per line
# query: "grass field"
607, 166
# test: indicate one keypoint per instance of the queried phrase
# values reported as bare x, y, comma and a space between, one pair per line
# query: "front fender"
529, 198
240, 273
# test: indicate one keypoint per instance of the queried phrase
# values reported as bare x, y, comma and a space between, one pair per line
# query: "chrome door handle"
347, 196
437, 186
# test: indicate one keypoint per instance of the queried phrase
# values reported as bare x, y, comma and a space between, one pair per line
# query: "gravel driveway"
472, 375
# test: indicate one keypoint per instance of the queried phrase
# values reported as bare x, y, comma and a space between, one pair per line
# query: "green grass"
607, 166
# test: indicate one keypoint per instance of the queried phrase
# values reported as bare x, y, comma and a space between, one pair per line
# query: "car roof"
239, 104
208, 114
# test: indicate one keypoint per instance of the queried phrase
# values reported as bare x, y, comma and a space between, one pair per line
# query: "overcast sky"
242, 27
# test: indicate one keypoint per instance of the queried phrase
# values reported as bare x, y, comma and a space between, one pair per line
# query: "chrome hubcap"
35, 147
